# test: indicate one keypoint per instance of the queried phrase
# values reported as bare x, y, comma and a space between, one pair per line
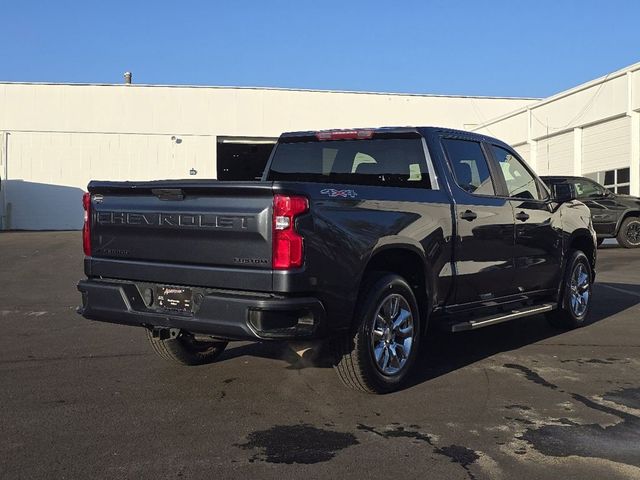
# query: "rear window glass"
383, 162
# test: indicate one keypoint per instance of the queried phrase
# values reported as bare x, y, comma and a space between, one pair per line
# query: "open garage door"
243, 158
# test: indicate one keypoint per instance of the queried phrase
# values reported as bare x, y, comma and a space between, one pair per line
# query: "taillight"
287, 243
344, 135
86, 228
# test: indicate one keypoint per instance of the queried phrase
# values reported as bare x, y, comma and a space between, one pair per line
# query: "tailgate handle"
168, 193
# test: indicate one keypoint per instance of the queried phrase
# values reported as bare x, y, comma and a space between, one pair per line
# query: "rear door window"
470, 167
384, 162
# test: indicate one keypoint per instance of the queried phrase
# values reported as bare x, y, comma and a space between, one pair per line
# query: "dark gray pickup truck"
356, 238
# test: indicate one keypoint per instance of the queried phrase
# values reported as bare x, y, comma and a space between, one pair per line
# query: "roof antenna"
127, 78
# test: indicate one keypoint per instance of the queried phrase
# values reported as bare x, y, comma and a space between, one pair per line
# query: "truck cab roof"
392, 131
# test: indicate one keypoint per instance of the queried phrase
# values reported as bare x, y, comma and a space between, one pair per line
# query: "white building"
591, 130
55, 138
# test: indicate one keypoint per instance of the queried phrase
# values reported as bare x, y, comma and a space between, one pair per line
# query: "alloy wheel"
580, 290
633, 233
392, 334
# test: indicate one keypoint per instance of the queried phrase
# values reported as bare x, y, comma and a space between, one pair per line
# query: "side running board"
499, 318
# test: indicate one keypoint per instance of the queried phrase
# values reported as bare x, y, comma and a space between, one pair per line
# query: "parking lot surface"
81, 399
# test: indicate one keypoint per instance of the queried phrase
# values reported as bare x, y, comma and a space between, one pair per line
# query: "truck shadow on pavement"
442, 352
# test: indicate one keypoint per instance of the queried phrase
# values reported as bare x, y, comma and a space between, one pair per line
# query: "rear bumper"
225, 315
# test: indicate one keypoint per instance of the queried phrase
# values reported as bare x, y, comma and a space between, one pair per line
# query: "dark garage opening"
243, 158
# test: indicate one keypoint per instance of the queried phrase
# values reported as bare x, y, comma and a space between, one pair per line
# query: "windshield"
384, 162
588, 189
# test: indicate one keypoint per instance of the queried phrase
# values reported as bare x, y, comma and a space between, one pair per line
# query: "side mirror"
564, 192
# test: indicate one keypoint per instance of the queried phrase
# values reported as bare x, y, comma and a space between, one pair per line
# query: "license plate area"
176, 299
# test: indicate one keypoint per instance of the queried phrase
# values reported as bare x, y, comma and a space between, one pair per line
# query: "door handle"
468, 215
522, 216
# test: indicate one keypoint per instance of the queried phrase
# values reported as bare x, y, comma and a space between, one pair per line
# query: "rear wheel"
576, 293
378, 357
183, 348
629, 233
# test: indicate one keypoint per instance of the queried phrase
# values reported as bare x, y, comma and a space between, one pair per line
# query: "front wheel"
629, 233
379, 356
576, 293
184, 349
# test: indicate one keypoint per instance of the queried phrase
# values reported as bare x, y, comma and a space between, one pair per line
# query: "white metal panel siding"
605, 99
512, 129
524, 151
48, 172
607, 145
555, 155
244, 112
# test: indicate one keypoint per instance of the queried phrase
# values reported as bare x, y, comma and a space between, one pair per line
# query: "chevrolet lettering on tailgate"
186, 220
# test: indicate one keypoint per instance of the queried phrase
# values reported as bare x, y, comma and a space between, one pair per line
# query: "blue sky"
502, 48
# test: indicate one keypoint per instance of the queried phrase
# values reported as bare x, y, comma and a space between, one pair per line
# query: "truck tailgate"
221, 228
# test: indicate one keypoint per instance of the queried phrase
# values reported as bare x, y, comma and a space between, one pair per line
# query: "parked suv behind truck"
366, 239
614, 215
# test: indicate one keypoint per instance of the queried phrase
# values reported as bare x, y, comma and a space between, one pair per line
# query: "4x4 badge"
332, 192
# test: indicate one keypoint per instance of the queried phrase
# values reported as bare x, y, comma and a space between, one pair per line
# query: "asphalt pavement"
80, 399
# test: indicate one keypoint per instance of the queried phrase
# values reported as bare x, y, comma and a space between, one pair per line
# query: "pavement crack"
603, 408
76, 357
398, 432
457, 454
532, 376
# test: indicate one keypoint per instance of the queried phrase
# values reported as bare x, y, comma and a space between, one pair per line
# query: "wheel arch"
409, 261
583, 240
624, 216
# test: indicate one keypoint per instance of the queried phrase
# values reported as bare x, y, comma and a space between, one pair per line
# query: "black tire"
357, 366
600, 241
629, 233
184, 349
571, 312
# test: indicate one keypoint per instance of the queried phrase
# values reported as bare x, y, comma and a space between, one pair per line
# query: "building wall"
587, 130
606, 145
555, 155
48, 171
55, 138
228, 111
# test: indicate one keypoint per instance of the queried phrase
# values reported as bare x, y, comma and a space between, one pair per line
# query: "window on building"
615, 180
609, 177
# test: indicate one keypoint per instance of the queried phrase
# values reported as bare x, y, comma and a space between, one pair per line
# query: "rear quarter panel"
349, 224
